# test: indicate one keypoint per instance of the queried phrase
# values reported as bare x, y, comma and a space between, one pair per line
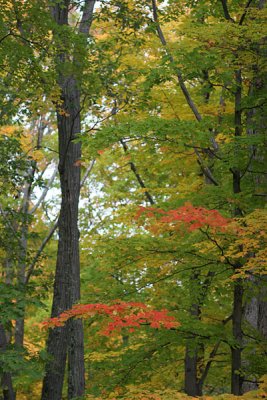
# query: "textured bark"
76, 371
67, 340
67, 277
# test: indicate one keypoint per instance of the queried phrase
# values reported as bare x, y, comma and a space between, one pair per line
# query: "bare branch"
87, 172
226, 11
44, 193
206, 171
4, 37
137, 175
110, 115
40, 250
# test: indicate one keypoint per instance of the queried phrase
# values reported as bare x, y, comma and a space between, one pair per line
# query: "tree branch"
138, 177
226, 11
87, 172
243, 16
87, 17
207, 172
40, 250
5, 36
44, 193
186, 94
212, 355
52, 230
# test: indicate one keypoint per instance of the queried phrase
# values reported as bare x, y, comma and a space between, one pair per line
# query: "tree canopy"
133, 199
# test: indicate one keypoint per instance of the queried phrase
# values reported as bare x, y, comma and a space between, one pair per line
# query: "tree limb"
87, 172
52, 231
87, 17
137, 175
226, 11
186, 94
243, 16
207, 172
44, 193
212, 355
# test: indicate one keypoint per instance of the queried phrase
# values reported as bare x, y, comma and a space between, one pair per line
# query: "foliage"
139, 314
172, 215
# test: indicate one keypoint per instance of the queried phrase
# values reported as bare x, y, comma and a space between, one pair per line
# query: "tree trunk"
255, 316
190, 379
67, 340
236, 349
6, 379
193, 354
67, 278
193, 362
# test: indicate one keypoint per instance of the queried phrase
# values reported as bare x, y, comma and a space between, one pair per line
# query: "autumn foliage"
129, 315
189, 216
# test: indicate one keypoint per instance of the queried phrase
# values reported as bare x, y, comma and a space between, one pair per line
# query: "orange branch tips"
189, 216
122, 315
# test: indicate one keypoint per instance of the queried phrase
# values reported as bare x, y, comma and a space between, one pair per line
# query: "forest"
133, 187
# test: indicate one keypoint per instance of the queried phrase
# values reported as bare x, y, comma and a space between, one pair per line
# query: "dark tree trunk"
236, 350
190, 379
76, 371
67, 340
193, 361
6, 379
194, 351
67, 278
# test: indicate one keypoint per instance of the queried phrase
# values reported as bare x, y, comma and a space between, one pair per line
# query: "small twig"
111, 114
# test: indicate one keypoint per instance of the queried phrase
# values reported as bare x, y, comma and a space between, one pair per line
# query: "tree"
69, 339
168, 101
